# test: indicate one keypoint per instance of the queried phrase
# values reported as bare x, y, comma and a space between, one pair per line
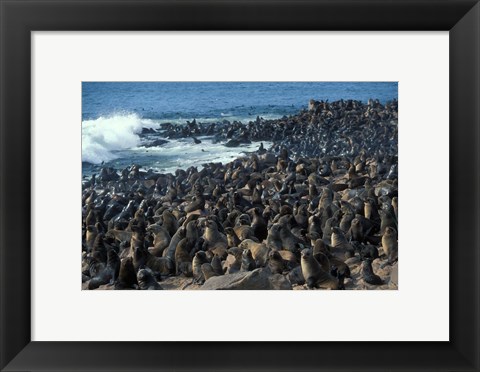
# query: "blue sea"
114, 113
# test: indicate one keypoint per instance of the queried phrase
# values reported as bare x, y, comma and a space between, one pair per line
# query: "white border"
62, 60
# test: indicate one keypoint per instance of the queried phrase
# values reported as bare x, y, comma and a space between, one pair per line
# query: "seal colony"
317, 210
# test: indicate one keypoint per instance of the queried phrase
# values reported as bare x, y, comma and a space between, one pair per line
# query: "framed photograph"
266, 146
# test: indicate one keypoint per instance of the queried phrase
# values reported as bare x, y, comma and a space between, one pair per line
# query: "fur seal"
390, 244
169, 222
259, 225
90, 237
217, 265
368, 275
248, 263
295, 276
313, 273
161, 239
183, 261
162, 266
356, 230
259, 251
213, 237
207, 271
197, 203
199, 259
340, 243
146, 281
274, 240
232, 238
276, 264
176, 238
233, 262
127, 279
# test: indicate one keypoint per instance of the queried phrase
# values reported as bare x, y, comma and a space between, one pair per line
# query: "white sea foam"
183, 153
102, 137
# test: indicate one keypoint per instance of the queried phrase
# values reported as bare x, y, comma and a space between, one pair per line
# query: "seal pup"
146, 281
232, 238
368, 275
199, 259
356, 230
313, 273
217, 265
248, 263
233, 262
276, 264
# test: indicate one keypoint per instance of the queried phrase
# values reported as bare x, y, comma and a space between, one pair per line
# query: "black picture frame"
18, 18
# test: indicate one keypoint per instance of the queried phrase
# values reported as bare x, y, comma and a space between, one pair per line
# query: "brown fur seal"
390, 244
368, 275
169, 222
276, 264
387, 219
213, 237
137, 240
161, 239
290, 259
233, 262
248, 263
259, 225
107, 275
259, 251
313, 273
183, 261
163, 266
273, 239
207, 271
395, 205
232, 238
90, 236
295, 276
340, 244
146, 281
199, 259
290, 241
127, 279
217, 265
197, 203
244, 232
170, 251
140, 258
99, 250
356, 230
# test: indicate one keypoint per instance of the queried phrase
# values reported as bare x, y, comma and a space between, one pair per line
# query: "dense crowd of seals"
319, 209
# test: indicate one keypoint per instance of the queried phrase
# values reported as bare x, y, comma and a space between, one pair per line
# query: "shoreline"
325, 195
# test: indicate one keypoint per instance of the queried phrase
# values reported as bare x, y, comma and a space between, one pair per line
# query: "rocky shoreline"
317, 210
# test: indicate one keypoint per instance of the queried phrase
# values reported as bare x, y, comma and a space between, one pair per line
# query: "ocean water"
114, 114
